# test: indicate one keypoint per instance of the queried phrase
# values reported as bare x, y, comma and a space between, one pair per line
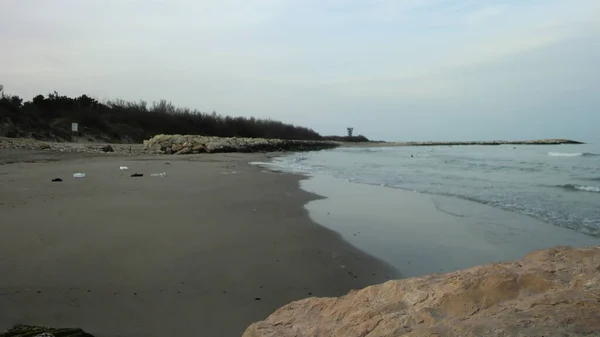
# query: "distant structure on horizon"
350, 131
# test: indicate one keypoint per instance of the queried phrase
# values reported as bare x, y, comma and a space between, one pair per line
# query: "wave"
361, 150
573, 154
365, 150
583, 188
299, 158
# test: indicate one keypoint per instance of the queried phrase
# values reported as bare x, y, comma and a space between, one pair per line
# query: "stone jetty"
491, 142
190, 144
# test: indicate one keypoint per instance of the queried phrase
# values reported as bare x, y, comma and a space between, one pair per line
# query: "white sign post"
75, 129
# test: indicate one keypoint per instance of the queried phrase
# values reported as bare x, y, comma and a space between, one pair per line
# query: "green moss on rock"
34, 331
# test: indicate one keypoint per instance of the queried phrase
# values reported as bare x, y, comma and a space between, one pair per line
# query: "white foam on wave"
564, 154
588, 188
581, 188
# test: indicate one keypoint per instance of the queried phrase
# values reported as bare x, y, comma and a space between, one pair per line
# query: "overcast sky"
393, 69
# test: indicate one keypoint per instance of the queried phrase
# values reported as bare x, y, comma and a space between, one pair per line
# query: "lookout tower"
350, 131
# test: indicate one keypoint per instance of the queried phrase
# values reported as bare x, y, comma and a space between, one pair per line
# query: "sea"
557, 184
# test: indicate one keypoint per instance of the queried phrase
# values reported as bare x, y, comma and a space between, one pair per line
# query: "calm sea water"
557, 184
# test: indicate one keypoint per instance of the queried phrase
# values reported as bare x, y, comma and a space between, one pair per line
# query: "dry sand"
205, 251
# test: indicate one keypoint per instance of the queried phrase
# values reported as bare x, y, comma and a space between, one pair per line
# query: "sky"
392, 69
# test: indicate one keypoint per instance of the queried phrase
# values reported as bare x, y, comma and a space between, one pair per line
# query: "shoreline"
214, 245
421, 234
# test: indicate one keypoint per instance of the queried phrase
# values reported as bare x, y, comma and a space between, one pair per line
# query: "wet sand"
210, 248
421, 234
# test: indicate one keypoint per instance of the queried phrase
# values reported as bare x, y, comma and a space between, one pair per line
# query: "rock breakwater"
190, 144
494, 142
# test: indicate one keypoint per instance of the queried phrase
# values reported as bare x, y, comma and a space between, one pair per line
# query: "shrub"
133, 121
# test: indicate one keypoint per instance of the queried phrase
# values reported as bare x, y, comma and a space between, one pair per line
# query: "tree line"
49, 118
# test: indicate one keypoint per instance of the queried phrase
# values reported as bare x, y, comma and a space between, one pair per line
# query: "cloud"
425, 75
484, 15
311, 62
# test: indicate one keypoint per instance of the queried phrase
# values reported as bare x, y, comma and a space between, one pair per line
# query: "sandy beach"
211, 247
219, 242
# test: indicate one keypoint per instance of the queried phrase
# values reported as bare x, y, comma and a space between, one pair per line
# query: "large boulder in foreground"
189, 144
553, 292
